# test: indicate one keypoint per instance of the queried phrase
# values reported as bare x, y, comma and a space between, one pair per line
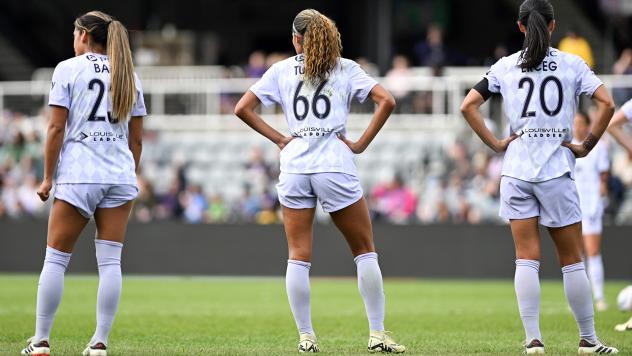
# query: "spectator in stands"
194, 204
499, 52
431, 52
393, 201
218, 211
145, 204
623, 66
573, 43
397, 81
256, 65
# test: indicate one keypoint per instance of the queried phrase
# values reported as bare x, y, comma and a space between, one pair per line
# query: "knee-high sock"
51, 286
595, 274
577, 290
297, 286
527, 284
110, 283
371, 289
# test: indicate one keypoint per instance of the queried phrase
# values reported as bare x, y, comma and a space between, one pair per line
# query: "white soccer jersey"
627, 109
95, 148
314, 115
588, 177
540, 104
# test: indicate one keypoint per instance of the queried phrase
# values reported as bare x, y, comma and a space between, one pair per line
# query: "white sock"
110, 283
527, 284
577, 289
297, 286
50, 288
371, 289
595, 274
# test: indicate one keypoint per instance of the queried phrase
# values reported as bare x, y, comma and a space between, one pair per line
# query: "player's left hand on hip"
578, 149
353, 146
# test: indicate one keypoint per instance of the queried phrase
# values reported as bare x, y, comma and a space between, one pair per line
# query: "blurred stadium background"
208, 182
195, 59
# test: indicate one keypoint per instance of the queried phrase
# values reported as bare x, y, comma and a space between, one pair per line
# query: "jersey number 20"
93, 114
317, 97
560, 96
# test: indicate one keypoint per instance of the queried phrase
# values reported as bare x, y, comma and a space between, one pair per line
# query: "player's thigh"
568, 243
355, 225
592, 244
112, 222
298, 224
113, 211
526, 235
64, 226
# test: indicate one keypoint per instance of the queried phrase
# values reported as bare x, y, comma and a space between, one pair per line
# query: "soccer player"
540, 86
615, 129
591, 177
96, 147
315, 89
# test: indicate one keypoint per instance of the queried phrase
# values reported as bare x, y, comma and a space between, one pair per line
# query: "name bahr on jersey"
95, 148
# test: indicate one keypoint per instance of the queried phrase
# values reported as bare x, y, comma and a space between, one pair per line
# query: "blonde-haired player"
315, 89
94, 139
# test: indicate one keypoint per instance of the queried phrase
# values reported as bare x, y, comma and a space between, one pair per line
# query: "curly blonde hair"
321, 44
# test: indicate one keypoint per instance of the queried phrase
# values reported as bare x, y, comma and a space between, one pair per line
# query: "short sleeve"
603, 161
495, 72
267, 88
61, 87
627, 109
587, 81
139, 108
361, 83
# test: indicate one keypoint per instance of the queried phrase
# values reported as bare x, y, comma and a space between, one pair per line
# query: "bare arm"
385, 105
245, 110
52, 147
471, 113
135, 141
605, 109
615, 129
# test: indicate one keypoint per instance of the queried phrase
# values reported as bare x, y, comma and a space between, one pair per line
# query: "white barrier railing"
190, 102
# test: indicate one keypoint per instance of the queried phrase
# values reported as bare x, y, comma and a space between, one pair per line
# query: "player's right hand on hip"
284, 142
504, 143
44, 189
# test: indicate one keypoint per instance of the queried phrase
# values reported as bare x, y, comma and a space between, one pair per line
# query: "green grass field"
222, 316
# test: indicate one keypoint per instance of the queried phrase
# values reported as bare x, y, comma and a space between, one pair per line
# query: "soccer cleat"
586, 347
307, 343
601, 305
381, 341
627, 326
97, 349
41, 348
535, 347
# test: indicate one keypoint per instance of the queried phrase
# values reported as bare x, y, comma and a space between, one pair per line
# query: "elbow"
55, 129
465, 108
389, 103
240, 110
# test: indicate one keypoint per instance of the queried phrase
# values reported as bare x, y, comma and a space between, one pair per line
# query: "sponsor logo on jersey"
543, 132
312, 131
101, 136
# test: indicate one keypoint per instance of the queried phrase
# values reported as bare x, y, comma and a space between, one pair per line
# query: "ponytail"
112, 35
122, 81
535, 15
321, 44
